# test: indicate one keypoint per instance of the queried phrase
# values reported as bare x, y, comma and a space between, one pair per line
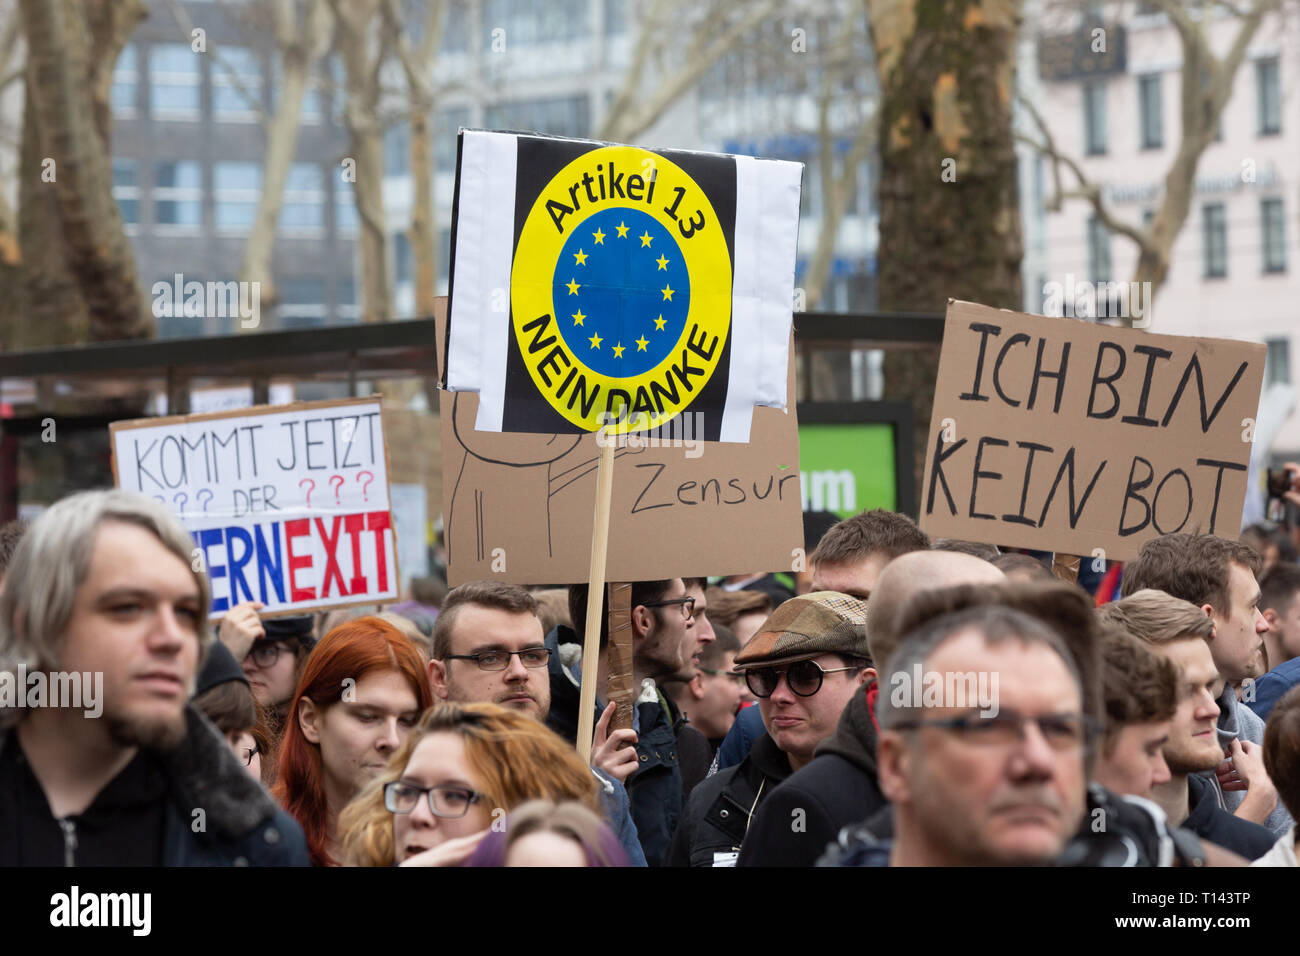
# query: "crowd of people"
903, 702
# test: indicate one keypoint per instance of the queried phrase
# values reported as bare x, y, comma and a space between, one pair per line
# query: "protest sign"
1068, 436
287, 504
591, 279
518, 507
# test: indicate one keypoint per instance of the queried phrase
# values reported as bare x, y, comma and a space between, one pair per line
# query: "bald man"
840, 786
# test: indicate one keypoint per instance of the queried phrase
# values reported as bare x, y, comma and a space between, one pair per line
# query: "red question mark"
308, 481
365, 485
339, 479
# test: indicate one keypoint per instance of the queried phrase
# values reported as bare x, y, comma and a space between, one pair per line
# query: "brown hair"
726, 606
872, 532
1013, 561
499, 595
1282, 750
642, 592
985, 552
1193, 567
724, 642
1157, 618
553, 608
232, 709
1139, 686
1278, 587
1065, 609
515, 757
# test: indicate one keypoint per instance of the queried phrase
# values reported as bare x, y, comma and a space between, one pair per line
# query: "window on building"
175, 78
302, 302
178, 194
126, 82
402, 258
455, 29
236, 191
397, 149
346, 221
347, 310
442, 251
1151, 104
1214, 223
303, 207
126, 189
1148, 217
1098, 250
1094, 117
236, 85
557, 116
1269, 96
527, 22
615, 17
1277, 362
1273, 221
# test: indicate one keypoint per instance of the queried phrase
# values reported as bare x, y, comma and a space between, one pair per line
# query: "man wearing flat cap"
803, 665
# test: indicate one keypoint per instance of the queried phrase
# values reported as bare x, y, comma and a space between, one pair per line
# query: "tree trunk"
946, 76
298, 53
71, 46
423, 247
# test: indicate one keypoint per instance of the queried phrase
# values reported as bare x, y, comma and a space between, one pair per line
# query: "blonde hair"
515, 758
1158, 618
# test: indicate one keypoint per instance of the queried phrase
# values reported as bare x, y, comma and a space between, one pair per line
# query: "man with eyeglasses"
712, 697
488, 647
804, 664
976, 785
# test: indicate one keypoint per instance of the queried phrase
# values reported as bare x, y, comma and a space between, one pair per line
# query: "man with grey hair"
840, 786
103, 592
1004, 786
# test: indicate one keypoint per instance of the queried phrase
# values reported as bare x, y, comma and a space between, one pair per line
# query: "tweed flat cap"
818, 623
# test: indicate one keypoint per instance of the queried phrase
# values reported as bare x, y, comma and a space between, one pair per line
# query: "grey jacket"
1236, 720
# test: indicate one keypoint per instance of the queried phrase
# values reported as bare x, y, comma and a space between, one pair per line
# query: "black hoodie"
839, 787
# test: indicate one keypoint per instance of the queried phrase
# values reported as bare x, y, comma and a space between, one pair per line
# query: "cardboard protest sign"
518, 507
287, 504
1069, 436
592, 280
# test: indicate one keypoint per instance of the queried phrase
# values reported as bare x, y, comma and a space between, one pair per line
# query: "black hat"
219, 668
300, 629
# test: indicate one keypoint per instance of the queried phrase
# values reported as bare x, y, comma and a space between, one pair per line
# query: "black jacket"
718, 812
1212, 822
216, 813
837, 788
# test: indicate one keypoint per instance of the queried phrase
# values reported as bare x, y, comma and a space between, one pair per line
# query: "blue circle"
621, 292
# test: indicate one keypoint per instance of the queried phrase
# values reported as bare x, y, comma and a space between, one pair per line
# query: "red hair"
350, 651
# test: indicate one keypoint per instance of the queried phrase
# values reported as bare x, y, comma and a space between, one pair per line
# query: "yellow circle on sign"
620, 290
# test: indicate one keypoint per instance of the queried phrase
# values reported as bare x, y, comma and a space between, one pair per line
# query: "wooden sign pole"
595, 594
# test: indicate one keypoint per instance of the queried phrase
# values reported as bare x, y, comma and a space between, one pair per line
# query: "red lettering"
296, 529
355, 524
377, 521
331, 558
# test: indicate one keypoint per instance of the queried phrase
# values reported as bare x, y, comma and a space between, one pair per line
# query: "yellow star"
641, 343
599, 237
622, 231
595, 341
578, 317
668, 293
659, 324
645, 238
581, 257
573, 287
663, 263
618, 350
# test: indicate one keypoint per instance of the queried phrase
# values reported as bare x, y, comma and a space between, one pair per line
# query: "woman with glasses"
223, 696
462, 769
360, 695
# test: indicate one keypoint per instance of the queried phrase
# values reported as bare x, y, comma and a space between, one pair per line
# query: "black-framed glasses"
499, 660
265, 655
450, 803
803, 677
1007, 728
687, 604
249, 753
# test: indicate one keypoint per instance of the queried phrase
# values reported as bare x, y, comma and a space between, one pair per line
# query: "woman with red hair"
362, 690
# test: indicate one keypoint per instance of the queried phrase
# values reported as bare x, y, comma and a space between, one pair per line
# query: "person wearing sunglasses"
804, 664
459, 772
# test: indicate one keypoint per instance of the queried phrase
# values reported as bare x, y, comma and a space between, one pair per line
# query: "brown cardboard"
517, 507
1146, 445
